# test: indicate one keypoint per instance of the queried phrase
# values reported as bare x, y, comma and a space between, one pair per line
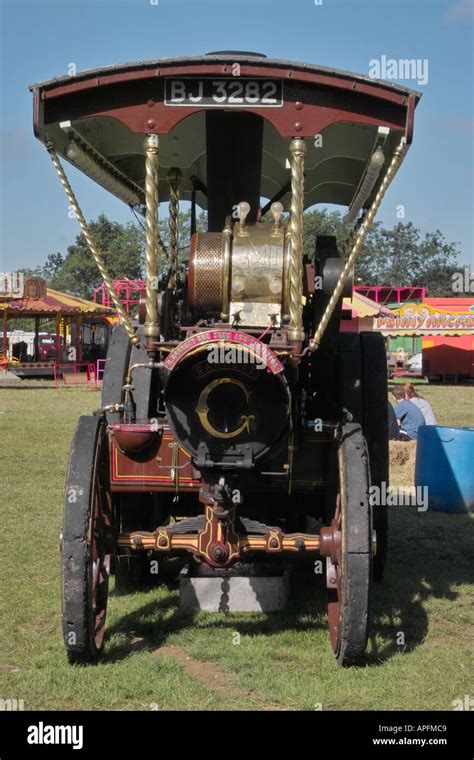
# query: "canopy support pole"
152, 327
359, 241
36, 341
58, 338
78, 340
5, 330
97, 256
174, 179
296, 331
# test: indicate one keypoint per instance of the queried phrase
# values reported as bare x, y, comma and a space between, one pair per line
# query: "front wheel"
85, 552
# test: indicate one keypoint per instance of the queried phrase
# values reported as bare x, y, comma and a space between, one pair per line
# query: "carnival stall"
446, 327
49, 333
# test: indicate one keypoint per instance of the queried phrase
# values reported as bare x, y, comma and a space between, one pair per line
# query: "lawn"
421, 649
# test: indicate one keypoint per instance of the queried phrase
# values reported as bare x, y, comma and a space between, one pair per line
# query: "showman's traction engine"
238, 424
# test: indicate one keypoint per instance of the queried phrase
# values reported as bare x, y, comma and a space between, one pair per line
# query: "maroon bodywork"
138, 101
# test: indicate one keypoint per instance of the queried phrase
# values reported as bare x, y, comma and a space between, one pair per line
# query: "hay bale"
402, 458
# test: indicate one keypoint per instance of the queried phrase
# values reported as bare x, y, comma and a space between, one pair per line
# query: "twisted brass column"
361, 235
297, 150
227, 246
174, 179
122, 314
152, 327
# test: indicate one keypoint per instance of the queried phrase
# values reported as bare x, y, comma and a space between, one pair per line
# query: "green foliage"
184, 235
123, 249
122, 246
32, 271
53, 266
401, 256
397, 257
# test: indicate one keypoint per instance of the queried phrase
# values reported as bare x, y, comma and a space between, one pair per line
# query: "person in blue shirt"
409, 416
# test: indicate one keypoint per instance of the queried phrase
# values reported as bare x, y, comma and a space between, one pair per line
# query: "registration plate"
231, 93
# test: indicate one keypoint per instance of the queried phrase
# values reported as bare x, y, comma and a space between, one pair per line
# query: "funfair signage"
423, 319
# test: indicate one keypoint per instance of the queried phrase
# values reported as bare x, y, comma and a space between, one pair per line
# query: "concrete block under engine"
244, 588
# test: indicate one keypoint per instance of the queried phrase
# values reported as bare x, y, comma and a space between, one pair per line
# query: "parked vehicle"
414, 364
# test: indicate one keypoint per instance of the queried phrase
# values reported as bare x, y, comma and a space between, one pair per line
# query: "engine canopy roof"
109, 109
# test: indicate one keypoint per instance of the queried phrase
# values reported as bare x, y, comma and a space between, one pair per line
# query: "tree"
402, 257
54, 264
122, 247
396, 257
184, 235
324, 222
29, 272
437, 261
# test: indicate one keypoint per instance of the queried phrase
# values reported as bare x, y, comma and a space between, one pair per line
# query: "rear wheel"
347, 542
86, 538
115, 370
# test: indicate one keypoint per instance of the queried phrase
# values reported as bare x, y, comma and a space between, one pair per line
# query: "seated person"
422, 404
410, 418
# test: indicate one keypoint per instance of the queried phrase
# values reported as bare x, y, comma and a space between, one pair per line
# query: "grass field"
421, 649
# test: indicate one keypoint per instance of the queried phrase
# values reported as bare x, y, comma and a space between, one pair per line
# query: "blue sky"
41, 38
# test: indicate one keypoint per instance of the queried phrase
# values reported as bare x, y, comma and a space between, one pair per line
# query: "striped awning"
362, 306
55, 302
